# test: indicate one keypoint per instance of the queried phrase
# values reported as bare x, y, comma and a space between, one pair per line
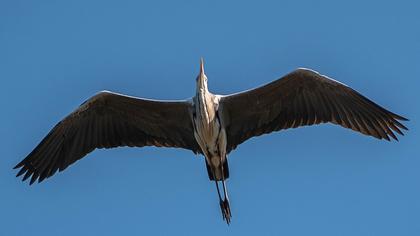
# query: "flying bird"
207, 124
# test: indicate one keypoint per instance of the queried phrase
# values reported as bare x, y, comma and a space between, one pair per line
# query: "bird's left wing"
110, 120
303, 97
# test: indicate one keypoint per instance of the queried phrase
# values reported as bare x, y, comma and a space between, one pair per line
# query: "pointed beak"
201, 67
201, 78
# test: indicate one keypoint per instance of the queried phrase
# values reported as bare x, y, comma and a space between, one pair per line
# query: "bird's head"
201, 79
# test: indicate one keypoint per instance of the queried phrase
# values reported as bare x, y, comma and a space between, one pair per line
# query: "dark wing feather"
304, 97
109, 120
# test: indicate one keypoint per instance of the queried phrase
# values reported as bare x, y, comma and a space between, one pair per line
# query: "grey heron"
207, 124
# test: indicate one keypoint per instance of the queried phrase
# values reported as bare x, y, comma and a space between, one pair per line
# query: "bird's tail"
218, 171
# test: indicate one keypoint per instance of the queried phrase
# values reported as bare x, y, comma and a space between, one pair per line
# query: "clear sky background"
322, 180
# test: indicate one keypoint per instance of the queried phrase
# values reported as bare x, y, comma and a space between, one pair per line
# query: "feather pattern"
304, 97
109, 120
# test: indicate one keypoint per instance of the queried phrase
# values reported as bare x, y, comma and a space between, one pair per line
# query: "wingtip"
395, 137
401, 126
20, 164
398, 117
35, 176
27, 175
21, 172
402, 118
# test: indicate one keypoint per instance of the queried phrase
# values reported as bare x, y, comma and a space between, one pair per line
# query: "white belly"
212, 140
209, 133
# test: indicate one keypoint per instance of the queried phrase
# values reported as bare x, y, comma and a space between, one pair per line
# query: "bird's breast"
208, 131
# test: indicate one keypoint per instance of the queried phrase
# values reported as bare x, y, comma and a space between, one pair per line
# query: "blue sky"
322, 180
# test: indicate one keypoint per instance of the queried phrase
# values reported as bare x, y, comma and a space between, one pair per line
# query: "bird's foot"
225, 207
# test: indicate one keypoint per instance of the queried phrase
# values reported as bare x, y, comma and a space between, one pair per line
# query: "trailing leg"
226, 206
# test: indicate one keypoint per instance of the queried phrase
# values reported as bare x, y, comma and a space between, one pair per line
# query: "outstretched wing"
110, 120
303, 97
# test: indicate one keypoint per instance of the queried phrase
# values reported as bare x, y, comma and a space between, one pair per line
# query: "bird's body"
208, 129
207, 124
209, 133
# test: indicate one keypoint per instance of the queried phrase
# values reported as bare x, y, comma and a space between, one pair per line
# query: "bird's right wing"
110, 120
303, 97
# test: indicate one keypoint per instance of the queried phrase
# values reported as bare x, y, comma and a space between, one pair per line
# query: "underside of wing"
110, 120
304, 97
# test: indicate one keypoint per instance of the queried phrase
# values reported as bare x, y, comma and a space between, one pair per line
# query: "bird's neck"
205, 106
